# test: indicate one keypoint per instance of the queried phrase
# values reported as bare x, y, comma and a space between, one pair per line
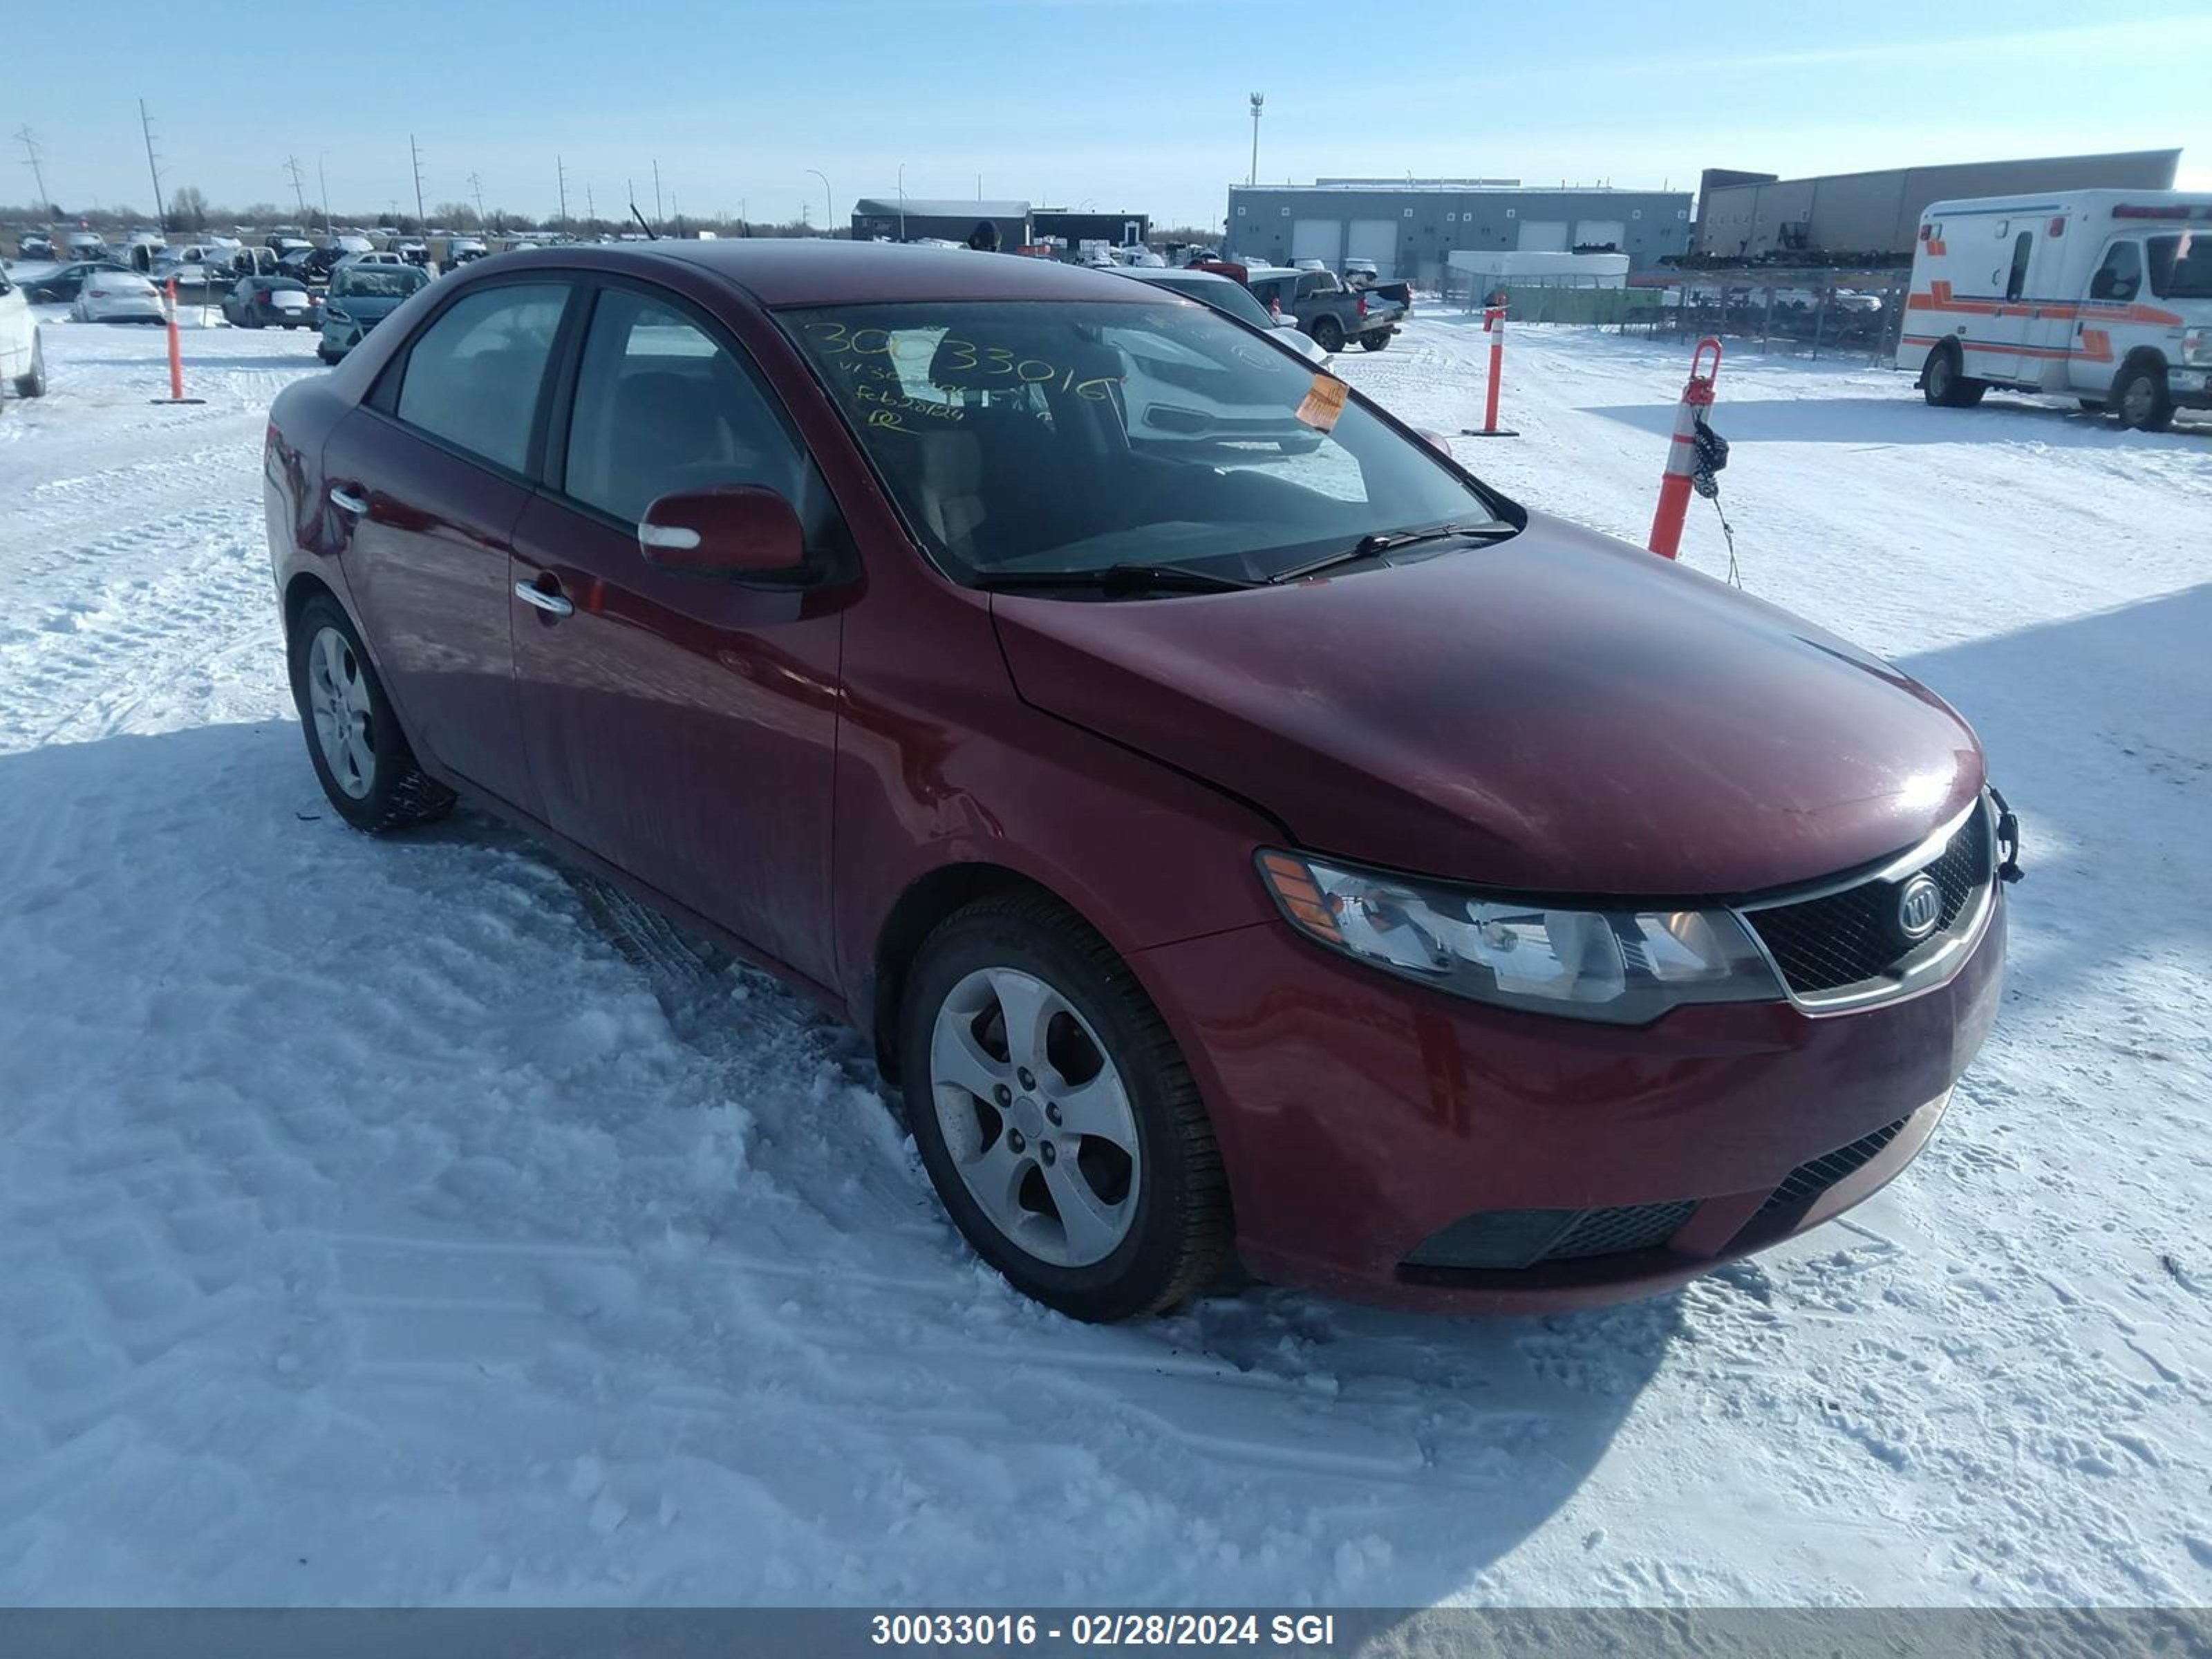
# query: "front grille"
1849, 938
1814, 1176
1508, 1239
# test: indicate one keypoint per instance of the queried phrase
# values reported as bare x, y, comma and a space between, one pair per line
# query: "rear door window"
473, 377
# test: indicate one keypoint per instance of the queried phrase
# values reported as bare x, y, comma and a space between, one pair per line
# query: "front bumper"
1360, 1118
2191, 386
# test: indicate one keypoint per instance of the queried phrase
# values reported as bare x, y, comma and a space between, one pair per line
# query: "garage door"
1543, 236
1376, 240
1601, 233
1317, 239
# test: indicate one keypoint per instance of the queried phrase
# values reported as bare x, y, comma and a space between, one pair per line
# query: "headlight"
2196, 346
1626, 967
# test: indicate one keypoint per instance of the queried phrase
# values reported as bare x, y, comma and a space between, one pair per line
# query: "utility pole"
561, 173
323, 183
476, 184
153, 168
29, 141
590, 213
656, 195
299, 190
1258, 99
420, 224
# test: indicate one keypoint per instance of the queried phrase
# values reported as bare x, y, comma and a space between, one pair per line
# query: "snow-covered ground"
373, 1229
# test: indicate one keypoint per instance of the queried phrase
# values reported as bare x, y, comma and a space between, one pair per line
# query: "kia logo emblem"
1919, 907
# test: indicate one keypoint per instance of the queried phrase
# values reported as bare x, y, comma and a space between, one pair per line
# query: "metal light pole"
828, 207
1258, 99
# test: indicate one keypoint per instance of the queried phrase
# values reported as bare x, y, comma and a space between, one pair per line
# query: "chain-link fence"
1840, 312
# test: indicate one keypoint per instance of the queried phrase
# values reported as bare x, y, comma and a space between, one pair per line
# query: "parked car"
310, 265
364, 291
464, 250
272, 301
1304, 858
1233, 299
87, 245
1327, 310
119, 296
22, 360
34, 245
60, 285
2103, 294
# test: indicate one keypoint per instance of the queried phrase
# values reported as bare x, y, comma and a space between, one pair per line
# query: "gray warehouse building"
1408, 227
1744, 214
915, 217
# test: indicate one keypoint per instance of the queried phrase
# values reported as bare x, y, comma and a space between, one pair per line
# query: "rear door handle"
553, 605
346, 501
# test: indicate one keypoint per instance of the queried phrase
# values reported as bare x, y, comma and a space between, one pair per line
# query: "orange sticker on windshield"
1322, 404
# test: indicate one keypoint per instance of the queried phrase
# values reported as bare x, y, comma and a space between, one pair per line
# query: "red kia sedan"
1241, 830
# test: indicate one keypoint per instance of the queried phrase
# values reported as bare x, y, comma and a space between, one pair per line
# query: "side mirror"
737, 530
1436, 440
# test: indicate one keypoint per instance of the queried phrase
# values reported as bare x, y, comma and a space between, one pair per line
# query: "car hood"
1558, 713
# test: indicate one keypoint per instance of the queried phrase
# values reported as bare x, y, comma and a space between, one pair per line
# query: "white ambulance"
2102, 294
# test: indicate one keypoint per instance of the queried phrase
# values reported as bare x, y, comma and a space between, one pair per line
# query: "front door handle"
553, 605
346, 500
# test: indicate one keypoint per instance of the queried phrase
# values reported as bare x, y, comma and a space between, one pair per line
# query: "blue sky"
1137, 104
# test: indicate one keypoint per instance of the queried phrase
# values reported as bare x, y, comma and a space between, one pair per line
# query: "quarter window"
473, 376
661, 408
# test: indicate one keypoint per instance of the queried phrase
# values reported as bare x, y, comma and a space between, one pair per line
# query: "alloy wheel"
1035, 1117
338, 696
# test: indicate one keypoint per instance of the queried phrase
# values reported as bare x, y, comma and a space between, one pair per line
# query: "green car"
361, 296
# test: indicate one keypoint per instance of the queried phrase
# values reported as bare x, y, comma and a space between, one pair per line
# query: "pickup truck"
1329, 312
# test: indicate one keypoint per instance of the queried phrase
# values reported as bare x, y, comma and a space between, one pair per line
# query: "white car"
117, 296
22, 364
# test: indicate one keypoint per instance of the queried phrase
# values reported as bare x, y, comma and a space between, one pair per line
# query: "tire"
375, 782
33, 384
1161, 1228
1943, 380
1327, 334
1376, 341
2140, 402
327, 355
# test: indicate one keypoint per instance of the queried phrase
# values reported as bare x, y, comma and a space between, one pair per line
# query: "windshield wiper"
1389, 540
1116, 579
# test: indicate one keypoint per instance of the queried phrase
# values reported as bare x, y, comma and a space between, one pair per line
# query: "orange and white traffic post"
176, 352
1666, 538
1493, 324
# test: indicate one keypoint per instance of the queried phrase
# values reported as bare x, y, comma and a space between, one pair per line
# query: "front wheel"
2140, 400
1055, 1116
360, 755
1328, 334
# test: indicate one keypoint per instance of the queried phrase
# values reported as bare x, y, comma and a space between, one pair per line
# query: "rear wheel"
1328, 334
33, 384
1055, 1116
1944, 383
1376, 341
360, 754
2140, 398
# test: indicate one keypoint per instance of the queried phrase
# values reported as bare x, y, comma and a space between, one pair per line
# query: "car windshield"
2181, 266
378, 281
1231, 299
1024, 438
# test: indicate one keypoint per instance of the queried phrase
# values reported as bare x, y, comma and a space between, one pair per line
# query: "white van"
2106, 295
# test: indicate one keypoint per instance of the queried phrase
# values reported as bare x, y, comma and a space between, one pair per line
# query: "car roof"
1173, 274
808, 271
